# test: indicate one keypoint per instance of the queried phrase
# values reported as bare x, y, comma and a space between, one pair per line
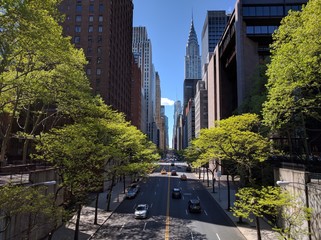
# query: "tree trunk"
228, 193
76, 236
258, 228
208, 180
124, 177
96, 208
109, 193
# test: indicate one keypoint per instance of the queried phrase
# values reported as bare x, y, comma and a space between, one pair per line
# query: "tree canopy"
236, 138
295, 70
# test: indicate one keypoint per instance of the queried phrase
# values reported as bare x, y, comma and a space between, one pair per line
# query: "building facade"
243, 47
142, 49
213, 28
200, 102
103, 29
136, 94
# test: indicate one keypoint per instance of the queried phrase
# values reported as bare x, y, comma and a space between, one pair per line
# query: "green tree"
255, 203
237, 139
41, 73
293, 86
79, 155
17, 201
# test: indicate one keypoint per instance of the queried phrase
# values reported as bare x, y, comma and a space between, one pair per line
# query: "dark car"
176, 193
194, 205
188, 169
131, 193
172, 164
174, 173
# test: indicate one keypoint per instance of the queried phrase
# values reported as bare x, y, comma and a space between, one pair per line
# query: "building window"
97, 82
98, 71
90, 29
90, 40
78, 18
99, 60
77, 29
101, 7
88, 71
78, 8
99, 50
89, 50
100, 18
100, 39
77, 39
91, 18
89, 60
100, 29
91, 8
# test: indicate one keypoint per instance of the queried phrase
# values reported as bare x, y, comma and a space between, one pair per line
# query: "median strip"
167, 209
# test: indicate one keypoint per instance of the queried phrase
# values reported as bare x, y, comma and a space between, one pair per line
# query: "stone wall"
304, 186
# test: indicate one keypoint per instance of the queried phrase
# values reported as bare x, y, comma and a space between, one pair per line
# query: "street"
169, 218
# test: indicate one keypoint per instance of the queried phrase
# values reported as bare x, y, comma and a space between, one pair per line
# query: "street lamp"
285, 183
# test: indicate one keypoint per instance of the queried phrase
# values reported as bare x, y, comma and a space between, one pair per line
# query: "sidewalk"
248, 229
87, 227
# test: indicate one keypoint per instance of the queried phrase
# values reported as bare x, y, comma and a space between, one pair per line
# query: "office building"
103, 29
245, 44
142, 48
213, 28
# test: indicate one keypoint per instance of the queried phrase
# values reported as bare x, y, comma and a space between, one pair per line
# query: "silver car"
141, 211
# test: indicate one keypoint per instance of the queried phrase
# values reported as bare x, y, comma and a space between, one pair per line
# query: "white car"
141, 211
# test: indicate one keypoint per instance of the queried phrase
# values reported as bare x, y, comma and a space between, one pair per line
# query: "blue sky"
168, 23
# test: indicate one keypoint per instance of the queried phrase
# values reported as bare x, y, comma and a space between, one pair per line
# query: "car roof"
194, 201
176, 189
142, 205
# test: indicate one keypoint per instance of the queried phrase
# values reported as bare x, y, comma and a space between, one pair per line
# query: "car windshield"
140, 208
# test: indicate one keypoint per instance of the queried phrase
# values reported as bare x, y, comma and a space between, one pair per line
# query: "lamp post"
285, 183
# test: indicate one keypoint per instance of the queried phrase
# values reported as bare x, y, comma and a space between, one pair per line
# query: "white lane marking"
198, 198
144, 226
186, 211
122, 227
218, 236
134, 206
151, 205
193, 189
192, 236
183, 197
155, 193
205, 212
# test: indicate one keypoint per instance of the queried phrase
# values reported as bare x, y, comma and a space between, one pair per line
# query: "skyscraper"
192, 57
192, 76
142, 49
192, 65
213, 28
103, 29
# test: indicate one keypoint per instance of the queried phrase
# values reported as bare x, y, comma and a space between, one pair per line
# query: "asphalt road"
169, 218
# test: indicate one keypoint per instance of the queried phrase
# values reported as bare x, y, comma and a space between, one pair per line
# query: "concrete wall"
300, 183
41, 226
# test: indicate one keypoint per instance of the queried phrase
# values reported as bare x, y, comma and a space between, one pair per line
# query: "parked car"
183, 177
174, 173
172, 164
176, 193
163, 171
141, 211
131, 193
188, 169
194, 205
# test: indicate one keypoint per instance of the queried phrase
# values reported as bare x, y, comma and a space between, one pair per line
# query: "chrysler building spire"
192, 57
